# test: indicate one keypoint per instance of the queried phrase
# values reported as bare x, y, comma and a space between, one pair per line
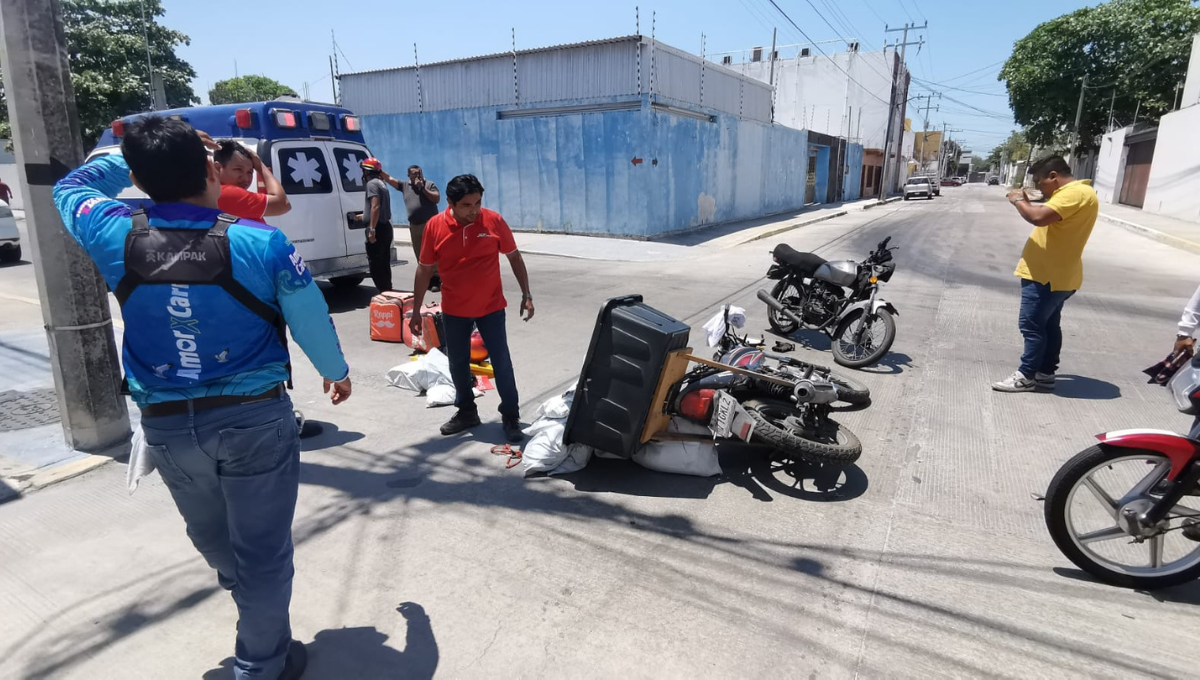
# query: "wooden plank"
673, 371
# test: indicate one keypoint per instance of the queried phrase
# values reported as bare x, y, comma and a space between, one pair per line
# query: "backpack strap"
131, 279
242, 294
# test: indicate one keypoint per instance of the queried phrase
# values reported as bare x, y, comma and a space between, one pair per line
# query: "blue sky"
966, 42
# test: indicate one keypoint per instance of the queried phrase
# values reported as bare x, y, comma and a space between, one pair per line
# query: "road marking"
38, 303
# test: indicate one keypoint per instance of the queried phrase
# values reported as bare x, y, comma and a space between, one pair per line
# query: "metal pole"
74, 298
332, 81
149, 63
774, 35
1078, 117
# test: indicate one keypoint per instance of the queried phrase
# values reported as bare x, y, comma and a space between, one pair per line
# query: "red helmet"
371, 163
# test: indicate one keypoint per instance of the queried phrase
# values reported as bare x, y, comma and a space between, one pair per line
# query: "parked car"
993, 181
937, 186
10, 238
951, 182
918, 186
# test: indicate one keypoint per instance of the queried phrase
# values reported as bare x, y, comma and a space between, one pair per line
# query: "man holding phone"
465, 242
421, 199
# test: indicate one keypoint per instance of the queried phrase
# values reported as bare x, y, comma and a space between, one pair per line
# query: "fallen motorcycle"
1124, 510
639, 374
839, 298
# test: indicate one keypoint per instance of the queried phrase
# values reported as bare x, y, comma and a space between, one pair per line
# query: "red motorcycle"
1125, 510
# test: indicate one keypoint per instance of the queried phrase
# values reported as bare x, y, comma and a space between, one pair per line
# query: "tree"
1015, 148
1136, 50
247, 89
106, 50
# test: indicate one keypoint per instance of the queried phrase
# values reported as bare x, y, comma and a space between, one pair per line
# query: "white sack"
715, 328
422, 374
682, 458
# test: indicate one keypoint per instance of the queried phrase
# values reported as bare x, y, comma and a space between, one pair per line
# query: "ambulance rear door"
314, 224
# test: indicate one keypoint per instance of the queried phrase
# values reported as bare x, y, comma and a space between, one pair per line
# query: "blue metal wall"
577, 173
852, 184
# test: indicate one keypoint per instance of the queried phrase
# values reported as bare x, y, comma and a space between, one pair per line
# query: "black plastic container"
620, 373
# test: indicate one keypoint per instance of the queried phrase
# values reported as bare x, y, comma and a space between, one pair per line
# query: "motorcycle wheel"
1083, 507
778, 423
875, 342
850, 391
780, 323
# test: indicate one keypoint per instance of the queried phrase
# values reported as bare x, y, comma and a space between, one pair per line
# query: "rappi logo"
384, 318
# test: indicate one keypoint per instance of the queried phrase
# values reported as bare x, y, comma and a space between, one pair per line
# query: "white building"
1157, 170
845, 94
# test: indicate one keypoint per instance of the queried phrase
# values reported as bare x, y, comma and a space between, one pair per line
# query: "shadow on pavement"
1188, 593
363, 652
892, 363
318, 435
604, 475
348, 299
1080, 387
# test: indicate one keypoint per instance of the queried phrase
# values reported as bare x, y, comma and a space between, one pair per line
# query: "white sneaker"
1017, 382
1044, 381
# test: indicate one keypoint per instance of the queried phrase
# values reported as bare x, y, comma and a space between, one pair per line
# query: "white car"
918, 186
10, 238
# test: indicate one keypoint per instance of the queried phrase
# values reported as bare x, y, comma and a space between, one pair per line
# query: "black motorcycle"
839, 298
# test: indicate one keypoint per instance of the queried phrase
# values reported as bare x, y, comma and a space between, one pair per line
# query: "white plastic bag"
422, 374
681, 458
715, 328
140, 462
544, 450
557, 407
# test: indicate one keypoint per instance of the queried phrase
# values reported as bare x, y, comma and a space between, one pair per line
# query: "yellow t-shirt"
1054, 253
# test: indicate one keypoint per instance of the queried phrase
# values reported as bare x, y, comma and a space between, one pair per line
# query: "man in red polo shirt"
465, 243
236, 165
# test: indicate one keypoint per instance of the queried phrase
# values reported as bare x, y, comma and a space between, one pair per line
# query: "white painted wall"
1191, 86
1110, 166
1174, 187
813, 94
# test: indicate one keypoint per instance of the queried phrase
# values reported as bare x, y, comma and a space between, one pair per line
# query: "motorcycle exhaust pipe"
778, 307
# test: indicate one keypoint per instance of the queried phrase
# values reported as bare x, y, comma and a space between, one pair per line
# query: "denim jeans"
458, 351
1040, 322
234, 473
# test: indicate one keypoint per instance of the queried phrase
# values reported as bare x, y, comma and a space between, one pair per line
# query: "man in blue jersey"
206, 299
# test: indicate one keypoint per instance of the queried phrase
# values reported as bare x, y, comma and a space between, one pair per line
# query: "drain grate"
23, 410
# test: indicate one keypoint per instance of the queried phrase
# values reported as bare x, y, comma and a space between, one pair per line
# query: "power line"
905, 8
930, 85
877, 15
984, 68
831, 60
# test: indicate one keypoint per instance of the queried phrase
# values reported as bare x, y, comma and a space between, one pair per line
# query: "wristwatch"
1018, 199
526, 296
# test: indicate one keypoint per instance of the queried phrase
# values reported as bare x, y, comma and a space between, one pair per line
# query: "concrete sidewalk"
678, 247
1173, 232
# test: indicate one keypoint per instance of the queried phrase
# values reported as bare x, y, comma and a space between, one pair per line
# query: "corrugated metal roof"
551, 48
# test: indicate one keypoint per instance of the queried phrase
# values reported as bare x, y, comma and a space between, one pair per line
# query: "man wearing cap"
377, 214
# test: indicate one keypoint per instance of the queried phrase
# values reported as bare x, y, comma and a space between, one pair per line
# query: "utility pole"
1078, 116
902, 68
925, 129
74, 298
774, 35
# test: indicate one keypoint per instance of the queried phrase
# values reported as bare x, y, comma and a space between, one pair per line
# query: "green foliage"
247, 89
1015, 148
106, 44
1137, 49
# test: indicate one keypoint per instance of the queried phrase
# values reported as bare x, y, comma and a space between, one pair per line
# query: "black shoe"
297, 661
462, 420
512, 429
435, 284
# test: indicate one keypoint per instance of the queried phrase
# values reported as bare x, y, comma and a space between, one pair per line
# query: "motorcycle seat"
804, 264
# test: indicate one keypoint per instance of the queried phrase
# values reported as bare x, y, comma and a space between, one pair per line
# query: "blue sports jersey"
185, 342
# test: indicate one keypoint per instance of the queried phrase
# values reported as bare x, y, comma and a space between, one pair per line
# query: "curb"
52, 475
815, 220
1161, 237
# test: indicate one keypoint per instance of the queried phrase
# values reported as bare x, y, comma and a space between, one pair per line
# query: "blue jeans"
458, 351
1040, 322
234, 473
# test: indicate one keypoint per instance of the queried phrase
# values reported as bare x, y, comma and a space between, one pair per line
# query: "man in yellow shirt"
1051, 267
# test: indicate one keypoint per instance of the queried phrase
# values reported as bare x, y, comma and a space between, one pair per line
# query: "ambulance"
314, 151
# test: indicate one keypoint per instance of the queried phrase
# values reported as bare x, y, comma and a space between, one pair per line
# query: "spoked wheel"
856, 347
782, 425
1091, 509
789, 296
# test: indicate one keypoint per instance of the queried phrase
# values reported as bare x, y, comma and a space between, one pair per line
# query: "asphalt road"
928, 558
